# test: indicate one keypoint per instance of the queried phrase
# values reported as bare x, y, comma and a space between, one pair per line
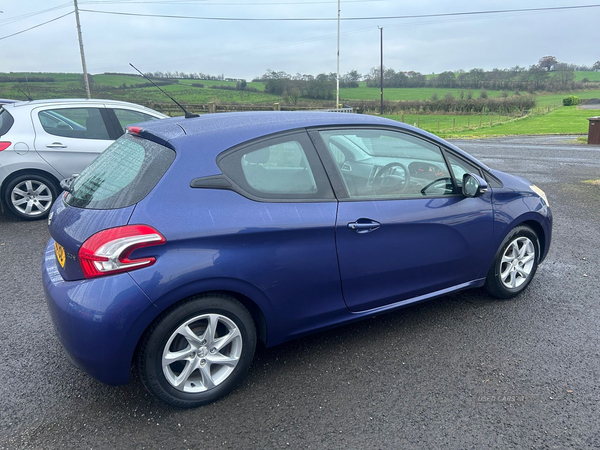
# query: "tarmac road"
459, 372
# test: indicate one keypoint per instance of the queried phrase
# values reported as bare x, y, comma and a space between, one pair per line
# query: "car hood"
512, 181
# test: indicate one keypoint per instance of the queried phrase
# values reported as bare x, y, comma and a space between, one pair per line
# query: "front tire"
30, 196
515, 263
198, 351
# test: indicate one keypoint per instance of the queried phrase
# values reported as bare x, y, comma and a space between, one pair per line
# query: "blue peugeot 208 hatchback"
189, 240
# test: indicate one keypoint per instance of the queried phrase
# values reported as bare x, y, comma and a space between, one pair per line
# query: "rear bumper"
99, 321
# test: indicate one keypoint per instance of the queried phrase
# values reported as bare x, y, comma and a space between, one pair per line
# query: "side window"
81, 123
387, 164
127, 117
460, 167
279, 168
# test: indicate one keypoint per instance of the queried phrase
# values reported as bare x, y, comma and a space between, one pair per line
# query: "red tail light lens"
108, 252
4, 145
133, 130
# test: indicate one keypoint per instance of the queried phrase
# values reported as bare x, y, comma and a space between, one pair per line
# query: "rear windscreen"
6, 121
122, 175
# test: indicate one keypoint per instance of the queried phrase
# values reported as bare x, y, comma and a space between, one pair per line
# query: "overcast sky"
247, 49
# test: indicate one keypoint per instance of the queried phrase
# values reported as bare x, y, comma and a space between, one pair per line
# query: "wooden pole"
381, 69
85, 74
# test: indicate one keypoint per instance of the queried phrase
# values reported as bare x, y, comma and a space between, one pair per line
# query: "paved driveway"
462, 371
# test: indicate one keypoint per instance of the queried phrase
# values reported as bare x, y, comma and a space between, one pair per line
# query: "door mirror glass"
473, 185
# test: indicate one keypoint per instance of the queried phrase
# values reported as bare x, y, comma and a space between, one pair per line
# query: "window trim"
336, 178
324, 192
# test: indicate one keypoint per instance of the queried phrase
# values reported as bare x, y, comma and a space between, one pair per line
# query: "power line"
31, 14
322, 19
36, 26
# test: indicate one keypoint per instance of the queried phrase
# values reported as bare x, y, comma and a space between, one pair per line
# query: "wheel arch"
20, 172
540, 233
250, 304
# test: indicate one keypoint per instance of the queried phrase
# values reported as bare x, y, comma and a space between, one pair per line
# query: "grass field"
443, 124
564, 120
365, 93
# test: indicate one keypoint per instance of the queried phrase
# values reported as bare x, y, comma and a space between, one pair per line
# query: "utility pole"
337, 96
381, 69
85, 74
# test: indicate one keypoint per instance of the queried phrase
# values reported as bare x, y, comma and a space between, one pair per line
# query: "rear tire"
198, 351
30, 196
515, 263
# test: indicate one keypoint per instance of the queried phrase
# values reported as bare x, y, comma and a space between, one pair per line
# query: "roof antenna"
188, 115
18, 88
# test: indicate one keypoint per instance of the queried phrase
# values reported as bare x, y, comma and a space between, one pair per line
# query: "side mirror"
473, 185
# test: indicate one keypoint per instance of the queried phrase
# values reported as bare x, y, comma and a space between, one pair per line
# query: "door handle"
364, 225
56, 145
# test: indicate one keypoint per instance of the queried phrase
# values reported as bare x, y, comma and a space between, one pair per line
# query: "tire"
30, 196
199, 369
515, 263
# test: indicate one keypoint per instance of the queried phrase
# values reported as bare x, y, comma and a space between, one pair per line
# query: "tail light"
4, 145
108, 252
133, 130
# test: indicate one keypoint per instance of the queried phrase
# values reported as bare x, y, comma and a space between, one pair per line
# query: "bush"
198, 85
571, 100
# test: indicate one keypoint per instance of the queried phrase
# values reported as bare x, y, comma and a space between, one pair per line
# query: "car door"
403, 228
70, 137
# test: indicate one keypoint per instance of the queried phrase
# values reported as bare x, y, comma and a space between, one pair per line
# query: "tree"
596, 66
548, 63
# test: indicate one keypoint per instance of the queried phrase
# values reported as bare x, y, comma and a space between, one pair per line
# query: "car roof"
221, 131
22, 108
67, 101
235, 128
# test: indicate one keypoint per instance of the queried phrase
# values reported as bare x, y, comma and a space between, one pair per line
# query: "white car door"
70, 137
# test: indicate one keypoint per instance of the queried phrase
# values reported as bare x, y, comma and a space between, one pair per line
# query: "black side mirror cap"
473, 185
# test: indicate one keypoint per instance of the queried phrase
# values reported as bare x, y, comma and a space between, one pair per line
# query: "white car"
45, 141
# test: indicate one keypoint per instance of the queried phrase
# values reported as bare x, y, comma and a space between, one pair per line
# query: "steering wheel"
434, 182
388, 181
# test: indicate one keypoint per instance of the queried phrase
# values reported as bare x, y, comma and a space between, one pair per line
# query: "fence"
172, 109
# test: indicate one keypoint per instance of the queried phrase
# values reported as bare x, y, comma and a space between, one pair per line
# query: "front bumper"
99, 321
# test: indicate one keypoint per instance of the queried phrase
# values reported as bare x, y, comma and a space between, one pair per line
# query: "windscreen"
122, 175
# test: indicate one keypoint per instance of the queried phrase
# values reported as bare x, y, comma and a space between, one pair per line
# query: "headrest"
259, 156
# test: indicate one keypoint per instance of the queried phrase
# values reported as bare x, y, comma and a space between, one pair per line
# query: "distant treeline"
320, 87
450, 104
517, 78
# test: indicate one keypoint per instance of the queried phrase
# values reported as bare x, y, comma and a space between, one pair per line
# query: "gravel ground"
459, 372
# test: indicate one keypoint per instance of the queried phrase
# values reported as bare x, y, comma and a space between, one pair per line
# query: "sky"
246, 49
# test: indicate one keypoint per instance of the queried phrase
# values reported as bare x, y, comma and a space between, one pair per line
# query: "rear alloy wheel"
198, 351
30, 196
515, 263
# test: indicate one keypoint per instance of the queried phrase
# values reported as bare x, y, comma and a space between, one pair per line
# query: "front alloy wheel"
515, 263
